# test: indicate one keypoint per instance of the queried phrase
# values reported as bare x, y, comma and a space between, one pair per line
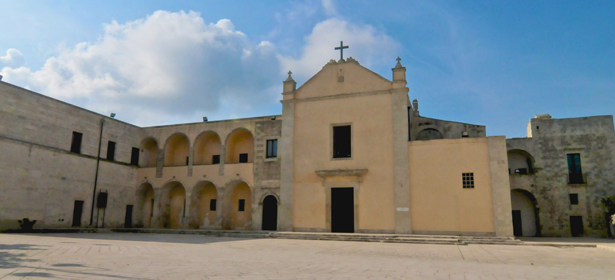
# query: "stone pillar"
190, 160
222, 159
156, 221
500, 186
285, 152
159, 163
401, 162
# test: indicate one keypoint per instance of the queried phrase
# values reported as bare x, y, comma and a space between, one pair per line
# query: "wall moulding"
323, 174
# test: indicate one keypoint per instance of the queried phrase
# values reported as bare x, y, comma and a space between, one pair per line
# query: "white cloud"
173, 68
165, 68
329, 7
13, 58
367, 44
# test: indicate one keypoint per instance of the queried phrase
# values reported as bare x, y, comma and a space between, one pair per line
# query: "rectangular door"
342, 210
517, 225
77, 210
128, 218
576, 226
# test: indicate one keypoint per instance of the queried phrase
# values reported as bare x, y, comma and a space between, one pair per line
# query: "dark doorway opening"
77, 211
517, 225
576, 226
128, 218
270, 213
342, 210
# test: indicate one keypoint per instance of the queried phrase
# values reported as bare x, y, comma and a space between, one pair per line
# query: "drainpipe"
102, 123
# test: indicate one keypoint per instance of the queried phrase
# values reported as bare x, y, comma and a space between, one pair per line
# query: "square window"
341, 141
215, 159
272, 148
212, 205
242, 205
574, 198
243, 158
468, 180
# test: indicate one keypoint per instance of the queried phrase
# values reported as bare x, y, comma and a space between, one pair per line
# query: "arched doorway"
176, 150
144, 208
270, 213
237, 212
173, 205
240, 147
524, 213
204, 202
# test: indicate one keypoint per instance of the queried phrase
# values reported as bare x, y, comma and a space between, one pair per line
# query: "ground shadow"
14, 255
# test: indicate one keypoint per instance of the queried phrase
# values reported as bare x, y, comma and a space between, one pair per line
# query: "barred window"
468, 180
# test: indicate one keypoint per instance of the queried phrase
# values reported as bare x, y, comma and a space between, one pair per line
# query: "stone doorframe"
328, 185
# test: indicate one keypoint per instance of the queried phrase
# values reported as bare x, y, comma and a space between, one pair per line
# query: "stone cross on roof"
341, 48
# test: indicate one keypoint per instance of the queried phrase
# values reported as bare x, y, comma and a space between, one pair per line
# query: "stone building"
559, 173
350, 153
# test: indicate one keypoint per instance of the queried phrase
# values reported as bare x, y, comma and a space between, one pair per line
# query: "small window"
468, 180
341, 141
75, 146
134, 156
575, 174
212, 205
272, 148
111, 151
574, 198
243, 158
215, 159
242, 205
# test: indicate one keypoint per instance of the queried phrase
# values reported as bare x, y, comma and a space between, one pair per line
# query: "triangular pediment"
342, 77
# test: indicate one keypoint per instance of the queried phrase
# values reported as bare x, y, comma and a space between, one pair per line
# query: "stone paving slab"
173, 256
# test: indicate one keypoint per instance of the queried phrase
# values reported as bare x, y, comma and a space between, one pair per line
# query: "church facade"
349, 153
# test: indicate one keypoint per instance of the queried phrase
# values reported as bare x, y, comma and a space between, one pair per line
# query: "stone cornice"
343, 95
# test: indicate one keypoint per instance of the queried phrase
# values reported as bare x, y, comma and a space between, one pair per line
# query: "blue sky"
495, 63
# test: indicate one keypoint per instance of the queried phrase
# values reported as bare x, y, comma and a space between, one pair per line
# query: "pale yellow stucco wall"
438, 201
205, 147
370, 117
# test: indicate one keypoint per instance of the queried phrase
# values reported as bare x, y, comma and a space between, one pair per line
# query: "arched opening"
429, 134
239, 147
520, 162
524, 213
149, 153
144, 208
270, 213
207, 148
176, 150
237, 212
173, 205
204, 202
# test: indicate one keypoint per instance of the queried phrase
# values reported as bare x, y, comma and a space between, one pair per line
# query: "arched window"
176, 150
429, 134
240, 147
149, 153
207, 148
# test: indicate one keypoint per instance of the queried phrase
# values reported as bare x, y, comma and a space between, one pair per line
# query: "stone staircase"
357, 237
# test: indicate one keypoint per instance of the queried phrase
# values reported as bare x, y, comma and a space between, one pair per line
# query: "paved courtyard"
171, 256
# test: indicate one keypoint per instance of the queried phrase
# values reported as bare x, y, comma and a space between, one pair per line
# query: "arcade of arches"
524, 214
206, 146
149, 153
239, 144
176, 150
233, 211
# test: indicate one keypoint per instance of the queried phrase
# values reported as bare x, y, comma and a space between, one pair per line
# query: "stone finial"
289, 84
399, 74
290, 78
415, 104
341, 60
350, 59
